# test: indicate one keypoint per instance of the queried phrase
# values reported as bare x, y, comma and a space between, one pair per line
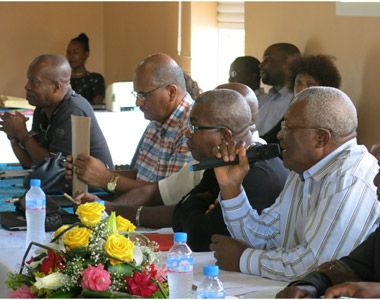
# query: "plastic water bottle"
180, 267
105, 215
35, 211
211, 287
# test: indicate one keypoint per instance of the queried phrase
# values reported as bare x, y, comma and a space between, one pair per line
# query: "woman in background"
90, 85
304, 72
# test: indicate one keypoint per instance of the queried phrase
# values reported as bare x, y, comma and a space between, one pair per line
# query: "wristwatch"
111, 185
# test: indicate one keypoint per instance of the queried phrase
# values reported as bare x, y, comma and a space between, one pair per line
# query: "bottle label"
183, 264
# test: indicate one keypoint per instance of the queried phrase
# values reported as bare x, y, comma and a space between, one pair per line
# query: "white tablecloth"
12, 245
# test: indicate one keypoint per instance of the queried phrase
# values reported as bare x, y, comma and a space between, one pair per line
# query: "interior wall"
204, 44
29, 29
315, 29
134, 30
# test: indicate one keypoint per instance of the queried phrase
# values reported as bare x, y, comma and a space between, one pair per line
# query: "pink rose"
22, 292
95, 278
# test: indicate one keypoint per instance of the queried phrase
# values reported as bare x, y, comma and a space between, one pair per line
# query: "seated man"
217, 116
356, 275
48, 88
170, 190
246, 70
161, 96
328, 205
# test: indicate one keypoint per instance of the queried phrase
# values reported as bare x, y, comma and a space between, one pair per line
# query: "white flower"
137, 255
52, 281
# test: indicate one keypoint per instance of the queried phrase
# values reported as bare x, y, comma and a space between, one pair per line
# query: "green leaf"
98, 294
121, 269
61, 294
78, 251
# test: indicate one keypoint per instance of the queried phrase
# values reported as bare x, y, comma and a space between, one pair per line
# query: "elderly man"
218, 115
356, 275
246, 70
161, 95
170, 190
272, 107
328, 205
48, 88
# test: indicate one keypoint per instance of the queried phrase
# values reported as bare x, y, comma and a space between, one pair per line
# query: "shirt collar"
281, 93
321, 168
177, 116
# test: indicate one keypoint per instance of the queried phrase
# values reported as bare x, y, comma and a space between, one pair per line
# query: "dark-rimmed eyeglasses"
285, 129
143, 95
192, 127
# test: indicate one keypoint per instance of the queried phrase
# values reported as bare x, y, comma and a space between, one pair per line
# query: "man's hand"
14, 125
88, 169
85, 197
68, 165
227, 252
337, 271
212, 206
231, 177
299, 291
354, 290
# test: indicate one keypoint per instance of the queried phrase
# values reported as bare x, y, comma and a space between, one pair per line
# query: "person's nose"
188, 134
139, 101
261, 65
280, 135
376, 180
27, 86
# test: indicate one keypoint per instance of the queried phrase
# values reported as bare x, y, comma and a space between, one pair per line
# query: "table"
12, 245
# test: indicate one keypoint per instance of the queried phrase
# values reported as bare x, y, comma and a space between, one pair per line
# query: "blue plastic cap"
180, 237
101, 202
35, 182
211, 270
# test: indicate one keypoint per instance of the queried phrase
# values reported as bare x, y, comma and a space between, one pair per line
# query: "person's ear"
173, 90
57, 86
323, 138
226, 135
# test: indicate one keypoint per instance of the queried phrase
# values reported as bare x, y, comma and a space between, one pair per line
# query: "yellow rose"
60, 229
120, 247
124, 224
77, 237
90, 213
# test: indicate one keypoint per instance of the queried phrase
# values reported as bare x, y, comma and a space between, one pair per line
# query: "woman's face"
76, 55
304, 81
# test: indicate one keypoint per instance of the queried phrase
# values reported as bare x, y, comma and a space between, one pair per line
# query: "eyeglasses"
192, 127
286, 129
143, 95
234, 73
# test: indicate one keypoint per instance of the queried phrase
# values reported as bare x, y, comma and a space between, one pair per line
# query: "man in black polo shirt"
48, 88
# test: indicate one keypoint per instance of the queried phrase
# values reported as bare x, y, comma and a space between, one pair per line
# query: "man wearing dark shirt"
48, 88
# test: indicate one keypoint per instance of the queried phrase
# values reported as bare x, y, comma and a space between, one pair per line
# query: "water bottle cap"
180, 237
101, 202
211, 270
35, 182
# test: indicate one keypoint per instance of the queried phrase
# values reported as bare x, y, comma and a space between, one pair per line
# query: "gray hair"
329, 108
227, 108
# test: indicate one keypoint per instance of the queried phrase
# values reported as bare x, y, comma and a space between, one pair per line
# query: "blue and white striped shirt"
323, 214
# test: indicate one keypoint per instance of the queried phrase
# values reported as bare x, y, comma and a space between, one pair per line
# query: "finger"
224, 151
83, 157
337, 291
232, 150
216, 152
69, 158
243, 159
213, 247
216, 238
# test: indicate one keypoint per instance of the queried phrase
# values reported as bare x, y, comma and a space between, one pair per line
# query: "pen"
70, 198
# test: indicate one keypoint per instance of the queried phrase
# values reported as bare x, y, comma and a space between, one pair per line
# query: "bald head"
248, 95
330, 108
228, 108
163, 70
285, 49
54, 67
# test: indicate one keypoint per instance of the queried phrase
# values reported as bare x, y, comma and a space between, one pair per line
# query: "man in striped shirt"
328, 206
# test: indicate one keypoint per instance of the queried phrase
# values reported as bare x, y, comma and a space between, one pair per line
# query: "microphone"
254, 154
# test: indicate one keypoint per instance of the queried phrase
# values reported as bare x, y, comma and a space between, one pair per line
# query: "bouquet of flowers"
98, 257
